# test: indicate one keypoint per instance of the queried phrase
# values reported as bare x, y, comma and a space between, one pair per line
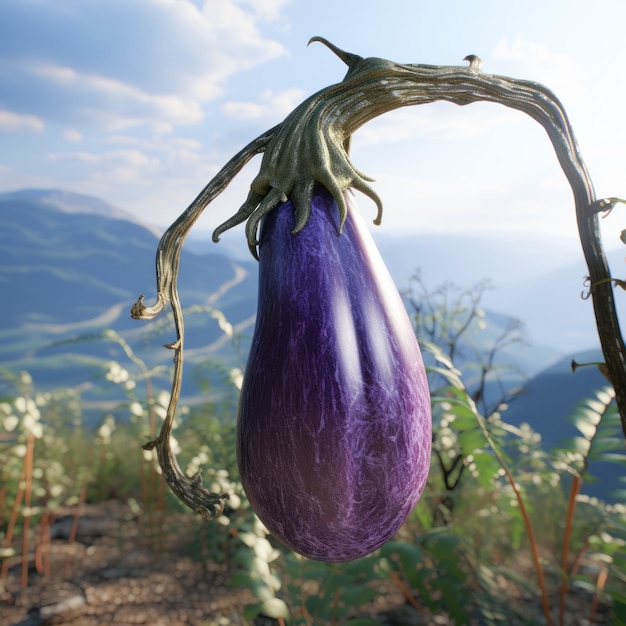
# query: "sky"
140, 102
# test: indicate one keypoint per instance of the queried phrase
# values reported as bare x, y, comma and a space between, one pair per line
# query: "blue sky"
140, 102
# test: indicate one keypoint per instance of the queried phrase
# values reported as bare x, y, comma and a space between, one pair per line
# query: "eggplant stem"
312, 146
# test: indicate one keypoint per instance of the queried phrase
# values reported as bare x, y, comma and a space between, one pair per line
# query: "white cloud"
100, 92
185, 151
457, 204
84, 156
434, 121
524, 58
131, 158
73, 135
123, 64
269, 105
269, 10
15, 122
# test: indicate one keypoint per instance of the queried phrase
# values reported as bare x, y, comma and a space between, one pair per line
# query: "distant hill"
547, 401
72, 265
69, 202
534, 278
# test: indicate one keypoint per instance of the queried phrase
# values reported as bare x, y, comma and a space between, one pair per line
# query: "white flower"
117, 373
10, 423
160, 411
26, 378
163, 398
56, 491
236, 377
136, 409
31, 425
176, 449
104, 432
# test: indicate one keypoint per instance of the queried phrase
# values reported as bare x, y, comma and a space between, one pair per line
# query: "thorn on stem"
475, 62
604, 370
605, 205
347, 57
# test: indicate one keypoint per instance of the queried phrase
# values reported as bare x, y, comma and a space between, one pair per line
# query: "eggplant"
334, 422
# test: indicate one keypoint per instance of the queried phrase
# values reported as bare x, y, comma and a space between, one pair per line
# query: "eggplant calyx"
311, 146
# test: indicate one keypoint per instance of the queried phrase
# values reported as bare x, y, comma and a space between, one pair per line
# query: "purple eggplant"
334, 424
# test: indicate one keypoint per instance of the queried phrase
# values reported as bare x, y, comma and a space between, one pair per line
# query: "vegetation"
501, 534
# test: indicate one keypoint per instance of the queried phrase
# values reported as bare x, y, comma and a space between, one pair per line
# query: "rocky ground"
111, 572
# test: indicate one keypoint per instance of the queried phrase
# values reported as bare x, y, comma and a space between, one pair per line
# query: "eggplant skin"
334, 423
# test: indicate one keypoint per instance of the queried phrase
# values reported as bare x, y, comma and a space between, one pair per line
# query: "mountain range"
72, 266
535, 278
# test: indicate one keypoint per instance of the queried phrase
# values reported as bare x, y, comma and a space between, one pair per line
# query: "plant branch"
311, 146
567, 538
189, 490
522, 506
406, 592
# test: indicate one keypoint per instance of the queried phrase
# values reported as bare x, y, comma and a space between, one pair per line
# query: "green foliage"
328, 593
494, 496
51, 423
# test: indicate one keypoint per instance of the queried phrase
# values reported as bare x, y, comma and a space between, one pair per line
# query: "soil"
112, 572
107, 569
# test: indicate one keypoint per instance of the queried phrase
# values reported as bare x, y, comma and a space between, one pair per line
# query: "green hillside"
71, 266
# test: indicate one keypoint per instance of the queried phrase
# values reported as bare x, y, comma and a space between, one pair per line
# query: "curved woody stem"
189, 490
312, 146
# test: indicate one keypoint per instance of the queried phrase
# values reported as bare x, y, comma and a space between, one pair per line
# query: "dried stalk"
189, 490
311, 146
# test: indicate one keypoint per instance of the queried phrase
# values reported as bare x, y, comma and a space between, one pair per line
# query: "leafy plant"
481, 545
